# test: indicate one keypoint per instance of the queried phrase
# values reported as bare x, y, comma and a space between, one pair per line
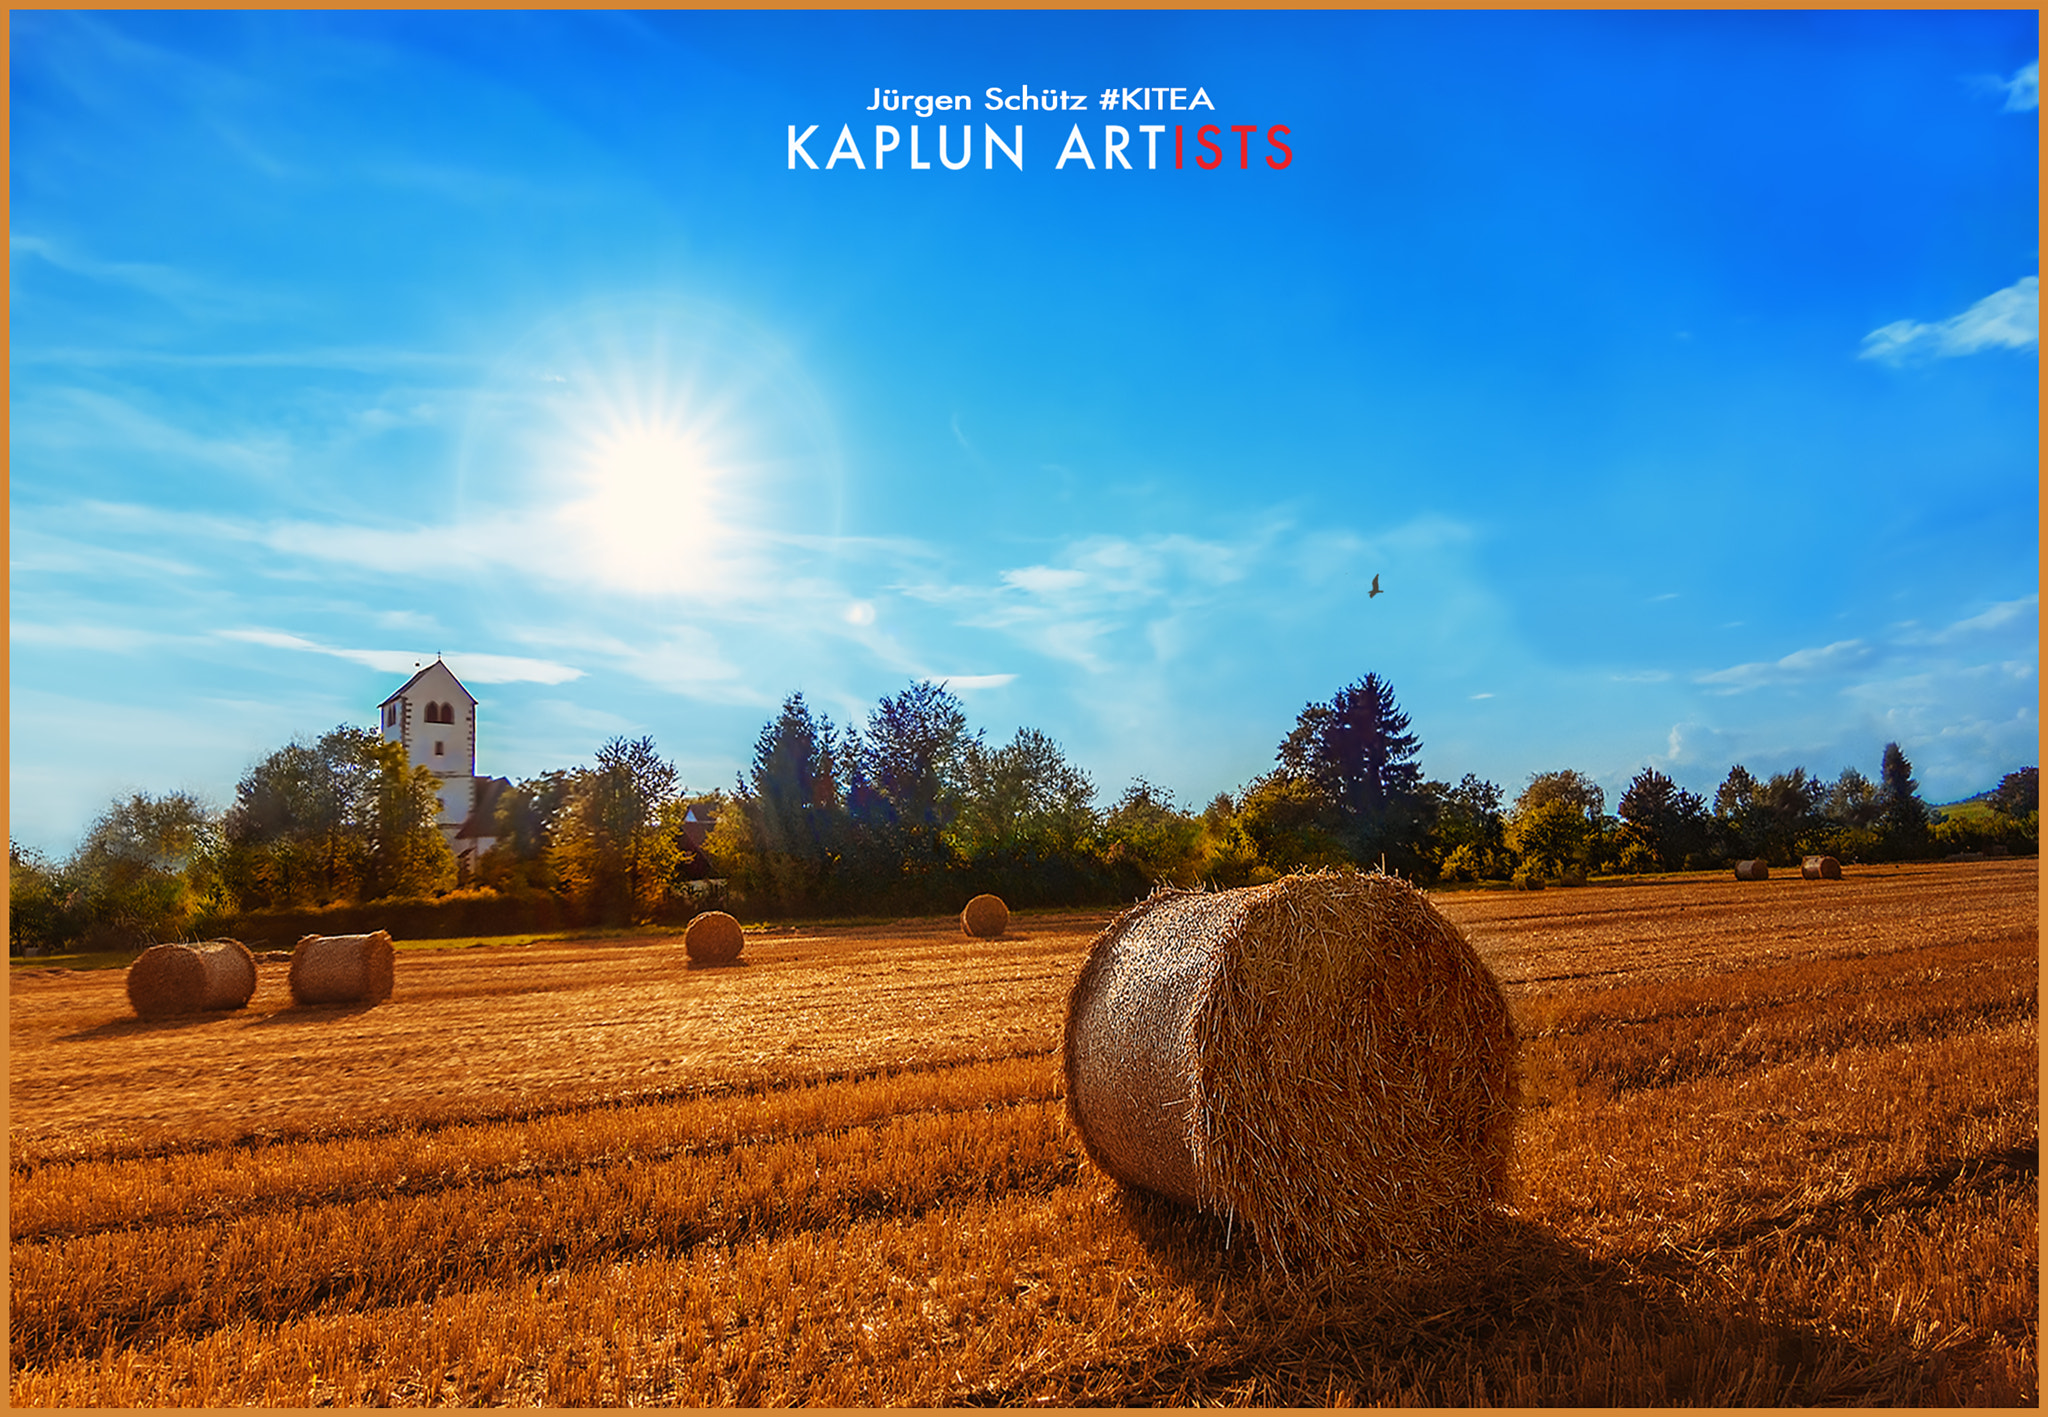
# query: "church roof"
482, 819
402, 689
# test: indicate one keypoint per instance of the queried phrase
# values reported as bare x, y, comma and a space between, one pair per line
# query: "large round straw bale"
713, 938
1323, 1060
1752, 871
166, 980
985, 917
1821, 868
342, 969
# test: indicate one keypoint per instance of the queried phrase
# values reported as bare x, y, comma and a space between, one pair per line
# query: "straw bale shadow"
312, 1013
1521, 1306
128, 1026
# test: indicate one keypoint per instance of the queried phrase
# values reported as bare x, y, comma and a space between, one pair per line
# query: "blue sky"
1676, 373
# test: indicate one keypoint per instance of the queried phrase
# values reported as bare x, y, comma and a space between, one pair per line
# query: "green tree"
1024, 799
1468, 836
1148, 829
1552, 838
147, 870
1224, 854
524, 822
1851, 800
1555, 824
1785, 814
343, 818
785, 854
611, 847
2017, 793
1737, 816
1668, 825
908, 767
1292, 824
40, 899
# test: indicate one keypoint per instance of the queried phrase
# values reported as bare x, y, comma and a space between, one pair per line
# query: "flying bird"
1375, 589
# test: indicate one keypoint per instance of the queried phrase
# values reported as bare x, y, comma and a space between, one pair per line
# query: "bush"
1986, 831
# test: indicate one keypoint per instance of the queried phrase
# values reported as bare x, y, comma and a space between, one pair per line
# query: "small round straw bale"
1821, 868
342, 969
985, 917
1752, 871
167, 980
713, 938
1323, 1060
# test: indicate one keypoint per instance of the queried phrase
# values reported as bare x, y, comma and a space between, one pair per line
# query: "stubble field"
1778, 1144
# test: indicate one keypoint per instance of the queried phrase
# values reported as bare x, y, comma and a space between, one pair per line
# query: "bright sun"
664, 443
649, 504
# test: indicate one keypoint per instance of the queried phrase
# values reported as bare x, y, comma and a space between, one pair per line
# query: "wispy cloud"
1097, 588
2006, 612
2023, 90
1999, 631
477, 668
65, 420
2005, 319
189, 293
103, 639
1800, 666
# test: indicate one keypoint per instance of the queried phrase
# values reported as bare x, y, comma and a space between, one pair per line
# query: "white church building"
434, 717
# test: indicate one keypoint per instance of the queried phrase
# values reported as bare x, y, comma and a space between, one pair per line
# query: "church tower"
434, 717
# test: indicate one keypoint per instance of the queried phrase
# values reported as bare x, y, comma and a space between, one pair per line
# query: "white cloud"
1044, 580
2005, 319
1801, 665
105, 639
968, 683
194, 295
2004, 613
476, 668
681, 660
65, 420
2023, 89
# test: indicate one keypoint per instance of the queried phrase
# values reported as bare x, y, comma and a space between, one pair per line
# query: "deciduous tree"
611, 847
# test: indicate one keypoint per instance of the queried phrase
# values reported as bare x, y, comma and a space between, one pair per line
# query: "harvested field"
1779, 1146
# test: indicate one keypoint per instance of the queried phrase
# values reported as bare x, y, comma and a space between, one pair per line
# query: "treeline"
912, 809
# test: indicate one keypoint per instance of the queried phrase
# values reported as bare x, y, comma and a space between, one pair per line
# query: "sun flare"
662, 442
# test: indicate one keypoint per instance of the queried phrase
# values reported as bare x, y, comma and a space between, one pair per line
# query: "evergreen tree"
1358, 755
1665, 821
794, 783
1901, 816
1736, 816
